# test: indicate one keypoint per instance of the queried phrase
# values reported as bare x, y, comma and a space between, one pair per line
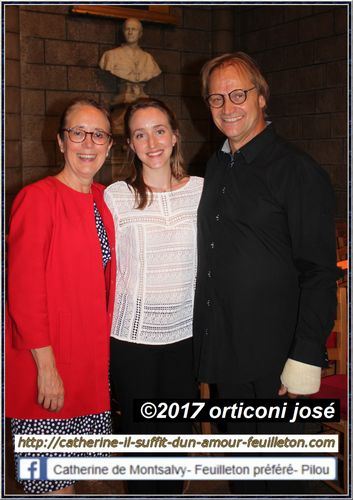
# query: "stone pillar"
223, 36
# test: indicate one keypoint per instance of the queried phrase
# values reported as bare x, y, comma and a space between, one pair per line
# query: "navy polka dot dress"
102, 235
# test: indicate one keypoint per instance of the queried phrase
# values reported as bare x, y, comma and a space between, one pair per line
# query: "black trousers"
265, 388
149, 371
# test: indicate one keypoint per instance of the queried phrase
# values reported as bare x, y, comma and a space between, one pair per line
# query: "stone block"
192, 62
194, 41
194, 130
38, 153
8, 204
13, 127
12, 18
155, 87
36, 76
195, 154
197, 17
287, 127
223, 42
271, 60
300, 54
316, 26
173, 84
109, 81
327, 151
263, 16
95, 29
71, 53
223, 17
338, 176
337, 73
174, 104
33, 174
85, 79
12, 46
331, 49
36, 128
299, 79
33, 102
107, 98
13, 180
103, 48
241, 16
195, 108
307, 78
12, 73
341, 19
152, 36
42, 25
316, 126
191, 85
13, 154
339, 124
292, 12
13, 100
297, 103
331, 101
56, 102
278, 36
32, 50
168, 60
252, 42
341, 204
173, 38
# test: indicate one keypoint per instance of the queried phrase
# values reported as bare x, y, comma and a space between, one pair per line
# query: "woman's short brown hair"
79, 101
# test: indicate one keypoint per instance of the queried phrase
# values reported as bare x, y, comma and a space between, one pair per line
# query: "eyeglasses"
78, 135
237, 96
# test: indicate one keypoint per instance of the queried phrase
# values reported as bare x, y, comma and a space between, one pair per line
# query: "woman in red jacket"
61, 271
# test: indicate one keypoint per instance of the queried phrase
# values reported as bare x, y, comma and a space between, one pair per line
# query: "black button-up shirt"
266, 284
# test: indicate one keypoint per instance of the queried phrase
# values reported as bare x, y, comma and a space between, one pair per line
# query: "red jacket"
58, 295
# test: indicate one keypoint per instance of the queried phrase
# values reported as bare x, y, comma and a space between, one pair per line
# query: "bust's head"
132, 29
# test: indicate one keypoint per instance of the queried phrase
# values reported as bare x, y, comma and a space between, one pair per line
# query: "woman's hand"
50, 384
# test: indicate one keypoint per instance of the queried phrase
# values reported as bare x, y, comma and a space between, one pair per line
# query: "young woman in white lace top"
154, 213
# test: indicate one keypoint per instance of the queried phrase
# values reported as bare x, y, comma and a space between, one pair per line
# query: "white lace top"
156, 263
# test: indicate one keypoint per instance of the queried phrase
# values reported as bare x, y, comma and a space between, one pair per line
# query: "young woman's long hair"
135, 179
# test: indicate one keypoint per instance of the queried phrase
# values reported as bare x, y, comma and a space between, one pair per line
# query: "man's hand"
283, 391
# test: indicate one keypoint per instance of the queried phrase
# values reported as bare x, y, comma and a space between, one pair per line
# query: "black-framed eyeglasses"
99, 137
237, 96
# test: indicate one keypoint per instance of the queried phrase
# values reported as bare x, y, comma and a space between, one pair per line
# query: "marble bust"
130, 63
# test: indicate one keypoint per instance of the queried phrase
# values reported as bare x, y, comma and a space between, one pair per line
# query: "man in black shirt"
266, 286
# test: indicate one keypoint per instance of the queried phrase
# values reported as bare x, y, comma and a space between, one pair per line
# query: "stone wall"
52, 56
303, 51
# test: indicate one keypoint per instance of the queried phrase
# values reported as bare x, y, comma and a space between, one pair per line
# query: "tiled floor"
217, 489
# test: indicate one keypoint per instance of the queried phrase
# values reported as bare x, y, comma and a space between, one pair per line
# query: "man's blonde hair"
242, 60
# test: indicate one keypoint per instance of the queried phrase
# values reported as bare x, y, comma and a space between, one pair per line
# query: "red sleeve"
28, 247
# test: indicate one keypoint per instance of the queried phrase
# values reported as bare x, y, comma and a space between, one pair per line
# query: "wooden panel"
153, 13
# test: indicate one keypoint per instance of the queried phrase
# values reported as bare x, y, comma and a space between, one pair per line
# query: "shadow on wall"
196, 125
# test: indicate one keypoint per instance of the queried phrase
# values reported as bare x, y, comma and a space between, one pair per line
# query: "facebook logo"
32, 468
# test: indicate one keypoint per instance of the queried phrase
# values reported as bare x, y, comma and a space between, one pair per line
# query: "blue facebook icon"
32, 468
